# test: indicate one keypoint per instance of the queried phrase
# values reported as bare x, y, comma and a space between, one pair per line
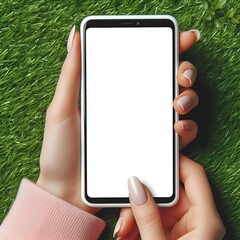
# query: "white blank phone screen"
129, 95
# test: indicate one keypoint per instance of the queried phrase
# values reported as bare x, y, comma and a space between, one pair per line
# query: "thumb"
145, 211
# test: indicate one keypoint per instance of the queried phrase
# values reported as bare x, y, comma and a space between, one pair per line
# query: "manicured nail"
136, 191
197, 33
184, 125
117, 227
184, 102
190, 75
70, 39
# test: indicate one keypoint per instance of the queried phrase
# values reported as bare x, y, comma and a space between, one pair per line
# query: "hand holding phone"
183, 220
59, 160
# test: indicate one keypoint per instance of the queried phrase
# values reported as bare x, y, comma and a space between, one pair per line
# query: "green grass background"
33, 37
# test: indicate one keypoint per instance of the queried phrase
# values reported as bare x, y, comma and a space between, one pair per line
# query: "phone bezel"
126, 21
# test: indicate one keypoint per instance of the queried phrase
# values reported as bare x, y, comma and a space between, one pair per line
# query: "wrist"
37, 214
55, 187
49, 186
66, 191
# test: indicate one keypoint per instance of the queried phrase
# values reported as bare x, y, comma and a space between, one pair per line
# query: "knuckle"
58, 112
199, 168
191, 91
218, 228
190, 65
187, 63
54, 112
51, 110
148, 218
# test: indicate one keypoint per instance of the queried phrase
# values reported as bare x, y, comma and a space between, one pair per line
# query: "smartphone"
129, 68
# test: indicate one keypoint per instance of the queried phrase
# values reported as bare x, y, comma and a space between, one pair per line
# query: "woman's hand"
60, 155
194, 217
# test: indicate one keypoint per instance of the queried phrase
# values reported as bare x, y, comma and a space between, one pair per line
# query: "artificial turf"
33, 37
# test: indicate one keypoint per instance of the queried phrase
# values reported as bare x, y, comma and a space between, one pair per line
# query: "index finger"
187, 39
196, 184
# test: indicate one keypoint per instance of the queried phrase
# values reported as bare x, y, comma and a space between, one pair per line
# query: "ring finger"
186, 101
187, 74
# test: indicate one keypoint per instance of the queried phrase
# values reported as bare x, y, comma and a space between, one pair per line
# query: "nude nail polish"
70, 39
184, 102
197, 33
184, 125
136, 191
117, 227
190, 75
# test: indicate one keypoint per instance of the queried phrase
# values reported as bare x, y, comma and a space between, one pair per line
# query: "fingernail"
190, 75
70, 39
184, 125
136, 191
197, 33
184, 102
117, 227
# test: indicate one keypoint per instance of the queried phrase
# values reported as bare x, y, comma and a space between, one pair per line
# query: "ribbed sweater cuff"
37, 214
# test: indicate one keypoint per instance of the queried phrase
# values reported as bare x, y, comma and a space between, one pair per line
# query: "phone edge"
82, 147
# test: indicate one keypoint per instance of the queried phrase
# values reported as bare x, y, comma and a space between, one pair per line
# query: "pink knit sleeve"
37, 214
